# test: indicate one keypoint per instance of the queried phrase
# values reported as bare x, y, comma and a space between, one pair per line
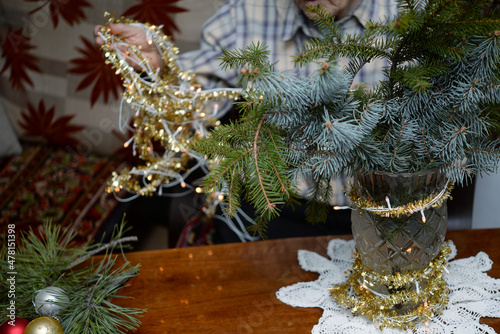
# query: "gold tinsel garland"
171, 110
424, 292
431, 201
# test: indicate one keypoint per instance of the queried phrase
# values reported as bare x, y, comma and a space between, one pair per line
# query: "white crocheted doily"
473, 294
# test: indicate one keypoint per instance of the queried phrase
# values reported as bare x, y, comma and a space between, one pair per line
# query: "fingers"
97, 29
98, 40
119, 28
133, 35
114, 28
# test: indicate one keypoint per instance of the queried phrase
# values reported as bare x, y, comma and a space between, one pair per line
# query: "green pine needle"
50, 259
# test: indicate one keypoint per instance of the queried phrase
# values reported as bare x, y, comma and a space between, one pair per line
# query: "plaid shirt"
283, 26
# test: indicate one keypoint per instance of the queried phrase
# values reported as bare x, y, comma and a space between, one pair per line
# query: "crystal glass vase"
407, 242
405, 239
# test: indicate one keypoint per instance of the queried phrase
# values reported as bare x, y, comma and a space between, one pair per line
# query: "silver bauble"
49, 301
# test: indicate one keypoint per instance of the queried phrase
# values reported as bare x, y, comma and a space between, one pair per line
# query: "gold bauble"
44, 325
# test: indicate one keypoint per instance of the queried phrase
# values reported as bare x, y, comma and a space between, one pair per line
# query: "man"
284, 25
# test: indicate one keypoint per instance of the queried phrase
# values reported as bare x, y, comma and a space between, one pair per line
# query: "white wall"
486, 209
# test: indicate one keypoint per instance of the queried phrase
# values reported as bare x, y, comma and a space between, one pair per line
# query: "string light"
170, 108
388, 202
423, 292
424, 220
434, 200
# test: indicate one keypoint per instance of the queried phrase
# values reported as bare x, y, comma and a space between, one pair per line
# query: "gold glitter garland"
171, 110
431, 201
423, 292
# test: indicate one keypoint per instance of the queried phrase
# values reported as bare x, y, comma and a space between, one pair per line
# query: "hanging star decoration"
171, 109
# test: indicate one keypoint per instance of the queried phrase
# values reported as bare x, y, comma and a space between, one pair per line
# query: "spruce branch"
485, 152
212, 182
269, 206
425, 144
449, 142
319, 201
233, 202
254, 56
435, 109
387, 133
440, 7
397, 141
453, 168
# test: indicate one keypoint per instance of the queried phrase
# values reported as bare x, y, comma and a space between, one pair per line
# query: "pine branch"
107, 246
50, 260
259, 227
318, 204
326, 23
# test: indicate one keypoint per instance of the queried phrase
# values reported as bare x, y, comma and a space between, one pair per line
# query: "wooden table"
231, 288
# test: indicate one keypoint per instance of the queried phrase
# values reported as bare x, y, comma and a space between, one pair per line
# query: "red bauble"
15, 326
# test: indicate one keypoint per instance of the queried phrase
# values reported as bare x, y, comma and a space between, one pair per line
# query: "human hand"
135, 36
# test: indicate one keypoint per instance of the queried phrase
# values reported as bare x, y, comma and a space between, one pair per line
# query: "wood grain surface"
231, 288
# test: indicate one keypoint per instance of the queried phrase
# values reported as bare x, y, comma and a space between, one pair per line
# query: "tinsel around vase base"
412, 297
